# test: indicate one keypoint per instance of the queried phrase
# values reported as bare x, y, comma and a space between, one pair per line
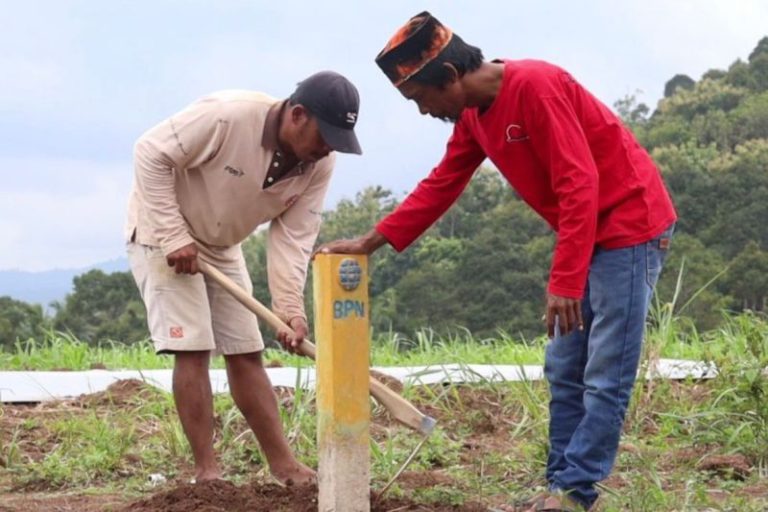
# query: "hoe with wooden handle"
400, 408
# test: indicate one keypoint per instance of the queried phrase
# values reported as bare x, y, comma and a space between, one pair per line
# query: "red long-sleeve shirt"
567, 155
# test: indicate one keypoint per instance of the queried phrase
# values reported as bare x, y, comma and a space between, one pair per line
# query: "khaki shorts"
191, 312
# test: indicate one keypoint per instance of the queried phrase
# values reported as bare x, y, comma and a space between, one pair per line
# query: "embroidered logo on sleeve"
177, 332
515, 133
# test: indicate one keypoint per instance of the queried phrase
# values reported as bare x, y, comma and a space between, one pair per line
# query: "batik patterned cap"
412, 47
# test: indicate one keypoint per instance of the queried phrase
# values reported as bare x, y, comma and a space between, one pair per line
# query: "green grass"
61, 351
491, 440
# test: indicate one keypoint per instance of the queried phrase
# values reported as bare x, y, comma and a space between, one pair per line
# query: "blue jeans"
591, 372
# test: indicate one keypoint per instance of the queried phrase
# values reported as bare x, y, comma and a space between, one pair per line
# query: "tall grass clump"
739, 415
426, 347
63, 351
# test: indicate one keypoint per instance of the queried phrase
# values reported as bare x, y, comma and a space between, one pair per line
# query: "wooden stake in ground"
343, 412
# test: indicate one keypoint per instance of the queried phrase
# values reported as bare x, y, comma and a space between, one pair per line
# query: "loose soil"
220, 496
35, 441
479, 420
121, 392
735, 467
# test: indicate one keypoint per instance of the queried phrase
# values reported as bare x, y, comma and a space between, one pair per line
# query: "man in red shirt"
572, 160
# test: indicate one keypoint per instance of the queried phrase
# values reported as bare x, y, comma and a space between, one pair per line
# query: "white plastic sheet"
34, 386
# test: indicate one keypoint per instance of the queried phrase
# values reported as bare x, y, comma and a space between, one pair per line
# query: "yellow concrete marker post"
343, 409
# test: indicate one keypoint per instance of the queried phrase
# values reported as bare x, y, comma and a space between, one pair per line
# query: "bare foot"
295, 475
206, 475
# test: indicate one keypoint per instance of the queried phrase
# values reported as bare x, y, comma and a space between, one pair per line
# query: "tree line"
484, 265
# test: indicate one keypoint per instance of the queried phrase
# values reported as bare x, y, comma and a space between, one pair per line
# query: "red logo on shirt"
177, 332
515, 133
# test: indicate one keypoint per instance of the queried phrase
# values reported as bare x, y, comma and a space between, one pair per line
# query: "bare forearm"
372, 241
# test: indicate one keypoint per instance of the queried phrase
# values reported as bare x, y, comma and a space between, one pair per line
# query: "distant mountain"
50, 285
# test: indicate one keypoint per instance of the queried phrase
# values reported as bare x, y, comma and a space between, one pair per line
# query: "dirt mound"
726, 466
391, 382
205, 496
121, 392
424, 479
220, 496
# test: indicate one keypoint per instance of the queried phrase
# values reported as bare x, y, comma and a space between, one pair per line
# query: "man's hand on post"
184, 259
292, 341
365, 244
565, 312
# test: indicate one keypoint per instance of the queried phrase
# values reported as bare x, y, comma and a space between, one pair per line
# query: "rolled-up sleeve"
292, 236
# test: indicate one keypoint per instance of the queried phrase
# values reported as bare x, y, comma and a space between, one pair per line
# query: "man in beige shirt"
205, 179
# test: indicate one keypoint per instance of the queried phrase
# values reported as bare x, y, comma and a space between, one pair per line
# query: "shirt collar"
272, 126
269, 136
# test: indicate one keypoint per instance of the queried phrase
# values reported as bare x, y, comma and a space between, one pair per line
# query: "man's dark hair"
464, 57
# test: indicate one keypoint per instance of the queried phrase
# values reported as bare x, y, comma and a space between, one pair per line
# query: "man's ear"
299, 113
452, 71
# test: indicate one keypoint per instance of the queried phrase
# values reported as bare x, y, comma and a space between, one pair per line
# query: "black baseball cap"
334, 102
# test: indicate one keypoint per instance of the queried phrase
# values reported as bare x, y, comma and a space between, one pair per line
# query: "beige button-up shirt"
203, 176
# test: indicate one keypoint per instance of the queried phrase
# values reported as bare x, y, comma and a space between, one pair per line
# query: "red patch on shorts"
177, 332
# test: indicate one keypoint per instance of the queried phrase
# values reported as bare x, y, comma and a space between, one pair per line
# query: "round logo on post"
349, 274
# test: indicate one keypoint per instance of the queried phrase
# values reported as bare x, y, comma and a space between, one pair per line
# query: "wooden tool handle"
262, 311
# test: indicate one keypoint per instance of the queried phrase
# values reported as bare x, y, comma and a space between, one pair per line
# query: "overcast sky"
81, 80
